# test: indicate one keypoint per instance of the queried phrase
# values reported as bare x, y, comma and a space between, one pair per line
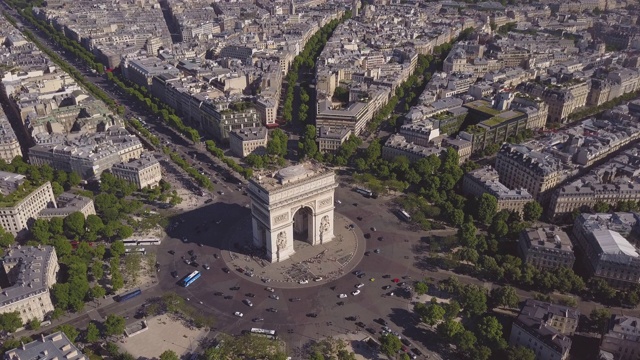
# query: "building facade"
330, 139
546, 248
32, 272
622, 339
248, 141
144, 172
18, 216
56, 346
486, 180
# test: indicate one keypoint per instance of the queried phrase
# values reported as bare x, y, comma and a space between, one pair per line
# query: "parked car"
355, 292
238, 314
342, 296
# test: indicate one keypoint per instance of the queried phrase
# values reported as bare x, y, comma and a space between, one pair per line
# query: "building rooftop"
336, 133
249, 133
613, 243
549, 237
535, 317
51, 347
145, 161
67, 203
270, 181
31, 264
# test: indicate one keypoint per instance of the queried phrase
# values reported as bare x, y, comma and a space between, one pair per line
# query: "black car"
360, 324
367, 253
174, 274
386, 287
250, 295
190, 252
405, 341
234, 288
351, 318
381, 321
208, 201
218, 293
313, 315
172, 252
226, 270
228, 297
416, 351
272, 310
361, 275
295, 299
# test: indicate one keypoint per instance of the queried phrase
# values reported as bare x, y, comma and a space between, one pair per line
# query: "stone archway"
294, 203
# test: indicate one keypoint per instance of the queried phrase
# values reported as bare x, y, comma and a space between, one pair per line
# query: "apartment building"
144, 172
68, 203
267, 109
31, 271
614, 181
542, 327
604, 249
24, 205
56, 346
522, 167
486, 180
9, 145
355, 117
622, 339
90, 154
546, 248
248, 141
562, 99
330, 139
397, 145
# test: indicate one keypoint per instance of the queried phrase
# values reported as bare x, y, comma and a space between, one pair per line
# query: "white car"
319, 278
342, 296
302, 282
359, 286
238, 314
355, 292
269, 289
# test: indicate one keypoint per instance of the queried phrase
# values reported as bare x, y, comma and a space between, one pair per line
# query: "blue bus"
130, 295
191, 278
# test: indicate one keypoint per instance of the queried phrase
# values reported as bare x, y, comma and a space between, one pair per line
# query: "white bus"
271, 334
404, 215
135, 250
139, 242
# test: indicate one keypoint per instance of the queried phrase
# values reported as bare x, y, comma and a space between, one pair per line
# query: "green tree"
117, 248
465, 340
390, 344
169, 355
34, 324
504, 296
6, 238
601, 207
449, 329
452, 309
114, 325
74, 179
71, 332
532, 211
97, 292
10, 322
520, 353
421, 288
599, 318
93, 334
56, 226
489, 331
473, 300
486, 208
40, 230
74, 224
430, 313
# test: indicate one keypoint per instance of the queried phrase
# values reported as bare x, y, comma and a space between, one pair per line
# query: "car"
238, 314
357, 273
372, 279
361, 276
406, 342
269, 289
361, 324
226, 270
381, 321
402, 284
206, 266
248, 302
359, 218
367, 253
386, 287
355, 292
201, 244
234, 288
358, 286
190, 252
342, 296
373, 229
221, 192
208, 201
187, 261
172, 252
218, 293
274, 297
272, 310
185, 240
313, 315
228, 297
251, 295
257, 319
338, 202
386, 329
387, 276
174, 274
377, 251
216, 256
295, 299
319, 278
416, 351
303, 281
340, 303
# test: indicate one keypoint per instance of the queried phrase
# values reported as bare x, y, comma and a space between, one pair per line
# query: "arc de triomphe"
295, 201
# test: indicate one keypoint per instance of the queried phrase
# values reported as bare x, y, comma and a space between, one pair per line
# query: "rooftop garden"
483, 106
23, 190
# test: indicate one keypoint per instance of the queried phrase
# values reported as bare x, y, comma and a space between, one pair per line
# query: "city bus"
271, 334
129, 251
191, 278
138, 242
129, 295
404, 215
365, 192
